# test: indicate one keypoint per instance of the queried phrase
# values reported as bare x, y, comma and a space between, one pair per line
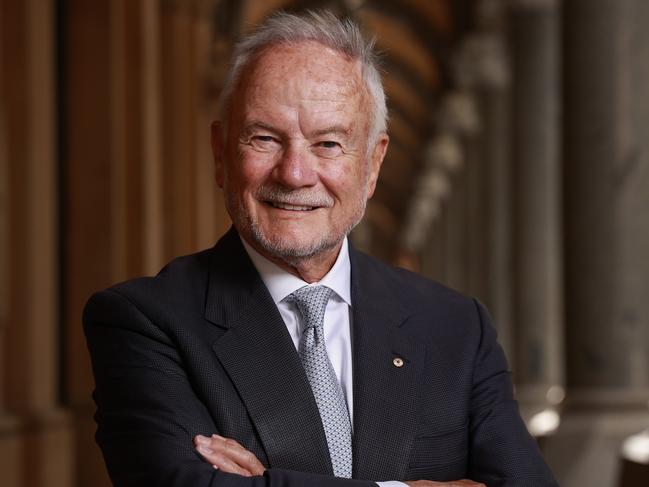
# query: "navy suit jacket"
201, 348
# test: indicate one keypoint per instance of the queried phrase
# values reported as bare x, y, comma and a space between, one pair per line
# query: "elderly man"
283, 356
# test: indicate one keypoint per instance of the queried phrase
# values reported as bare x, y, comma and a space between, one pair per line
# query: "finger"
453, 483
222, 462
463, 483
237, 453
233, 451
214, 453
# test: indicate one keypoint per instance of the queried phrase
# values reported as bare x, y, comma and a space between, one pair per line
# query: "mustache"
297, 197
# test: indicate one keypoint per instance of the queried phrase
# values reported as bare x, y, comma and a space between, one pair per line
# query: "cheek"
347, 186
347, 177
249, 174
347, 169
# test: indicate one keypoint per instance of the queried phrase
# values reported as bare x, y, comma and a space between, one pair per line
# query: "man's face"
296, 168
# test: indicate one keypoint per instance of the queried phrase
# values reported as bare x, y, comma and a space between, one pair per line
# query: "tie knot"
312, 302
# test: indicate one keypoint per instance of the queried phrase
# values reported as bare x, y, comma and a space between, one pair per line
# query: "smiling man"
302, 154
283, 356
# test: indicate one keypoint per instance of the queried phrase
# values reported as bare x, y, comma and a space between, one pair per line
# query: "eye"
327, 148
263, 142
329, 144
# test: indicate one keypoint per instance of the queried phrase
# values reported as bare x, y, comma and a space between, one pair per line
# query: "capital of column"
422, 213
200, 8
205, 8
543, 5
482, 60
444, 151
458, 114
354, 4
425, 206
434, 185
491, 14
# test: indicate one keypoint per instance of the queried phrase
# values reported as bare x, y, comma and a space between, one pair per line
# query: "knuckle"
231, 444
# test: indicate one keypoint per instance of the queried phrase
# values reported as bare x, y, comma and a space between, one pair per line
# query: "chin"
292, 247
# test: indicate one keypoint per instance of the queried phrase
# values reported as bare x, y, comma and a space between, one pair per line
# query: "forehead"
306, 72
306, 60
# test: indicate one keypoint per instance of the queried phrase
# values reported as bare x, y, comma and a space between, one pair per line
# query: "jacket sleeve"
147, 412
502, 452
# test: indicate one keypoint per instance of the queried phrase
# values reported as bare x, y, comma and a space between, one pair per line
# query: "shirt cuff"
391, 483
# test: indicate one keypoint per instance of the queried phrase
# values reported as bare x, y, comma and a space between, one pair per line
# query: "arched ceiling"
416, 39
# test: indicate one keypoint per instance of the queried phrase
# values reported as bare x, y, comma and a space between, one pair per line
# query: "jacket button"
397, 362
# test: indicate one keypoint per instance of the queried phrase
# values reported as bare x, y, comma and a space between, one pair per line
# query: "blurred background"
518, 172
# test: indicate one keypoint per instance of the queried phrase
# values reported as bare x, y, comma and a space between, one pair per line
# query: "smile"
287, 206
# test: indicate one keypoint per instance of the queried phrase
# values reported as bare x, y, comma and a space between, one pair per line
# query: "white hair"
325, 28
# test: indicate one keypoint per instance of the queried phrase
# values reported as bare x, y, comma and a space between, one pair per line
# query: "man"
283, 356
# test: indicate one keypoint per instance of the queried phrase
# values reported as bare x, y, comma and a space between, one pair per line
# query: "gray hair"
325, 28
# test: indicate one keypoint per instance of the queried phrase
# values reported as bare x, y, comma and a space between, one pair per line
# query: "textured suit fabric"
201, 348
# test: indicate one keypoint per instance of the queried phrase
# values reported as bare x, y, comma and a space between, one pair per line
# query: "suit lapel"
384, 428
261, 360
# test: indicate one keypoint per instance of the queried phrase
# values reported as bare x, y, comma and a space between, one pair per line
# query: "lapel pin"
397, 362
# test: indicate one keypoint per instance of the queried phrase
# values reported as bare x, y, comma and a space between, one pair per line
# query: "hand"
453, 483
228, 455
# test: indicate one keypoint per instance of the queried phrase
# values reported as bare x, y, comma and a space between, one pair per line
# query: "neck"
312, 269
309, 269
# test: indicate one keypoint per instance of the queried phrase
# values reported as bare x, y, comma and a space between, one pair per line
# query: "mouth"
290, 207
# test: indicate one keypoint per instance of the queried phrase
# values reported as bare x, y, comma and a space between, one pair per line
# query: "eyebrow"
255, 124
334, 129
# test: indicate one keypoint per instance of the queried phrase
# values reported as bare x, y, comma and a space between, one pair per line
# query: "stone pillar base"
585, 450
36, 450
540, 407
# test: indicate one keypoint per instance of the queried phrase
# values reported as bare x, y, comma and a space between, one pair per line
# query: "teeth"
286, 206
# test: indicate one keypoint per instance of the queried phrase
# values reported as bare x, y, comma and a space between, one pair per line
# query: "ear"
376, 160
218, 151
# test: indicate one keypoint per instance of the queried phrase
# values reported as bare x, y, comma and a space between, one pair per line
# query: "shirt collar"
281, 283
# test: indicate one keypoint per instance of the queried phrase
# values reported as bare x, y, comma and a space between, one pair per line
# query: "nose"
296, 168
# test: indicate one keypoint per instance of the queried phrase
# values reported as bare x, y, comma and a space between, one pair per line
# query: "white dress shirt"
337, 319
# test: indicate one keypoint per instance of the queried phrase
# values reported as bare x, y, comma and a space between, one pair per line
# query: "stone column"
138, 178
32, 425
101, 154
476, 218
152, 192
607, 197
212, 55
497, 139
538, 292
606, 173
444, 160
459, 116
4, 218
179, 127
455, 234
483, 66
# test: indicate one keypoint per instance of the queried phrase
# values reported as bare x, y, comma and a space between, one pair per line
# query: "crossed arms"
151, 409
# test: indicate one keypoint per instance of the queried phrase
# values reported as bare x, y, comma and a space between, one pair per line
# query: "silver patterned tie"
312, 302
